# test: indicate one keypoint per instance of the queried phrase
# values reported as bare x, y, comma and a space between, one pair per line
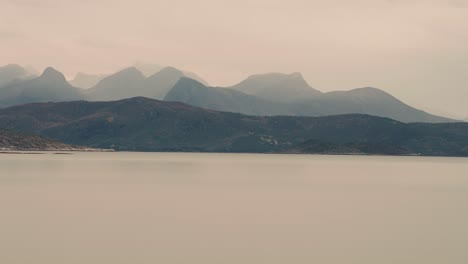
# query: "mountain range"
142, 124
86, 81
264, 94
370, 101
150, 69
131, 82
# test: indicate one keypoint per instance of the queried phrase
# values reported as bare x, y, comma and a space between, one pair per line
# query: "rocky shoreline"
13, 142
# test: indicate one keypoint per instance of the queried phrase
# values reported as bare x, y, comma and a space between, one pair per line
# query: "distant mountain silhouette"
370, 101
142, 124
160, 83
123, 84
151, 69
148, 69
13, 72
277, 87
86, 81
263, 94
51, 86
222, 99
132, 83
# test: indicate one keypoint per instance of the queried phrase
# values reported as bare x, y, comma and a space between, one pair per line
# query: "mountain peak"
275, 76
148, 69
12, 66
167, 71
127, 74
11, 72
369, 91
277, 87
296, 75
130, 71
170, 69
52, 74
186, 80
13, 69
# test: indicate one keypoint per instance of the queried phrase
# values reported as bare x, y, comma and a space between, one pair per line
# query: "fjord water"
116, 208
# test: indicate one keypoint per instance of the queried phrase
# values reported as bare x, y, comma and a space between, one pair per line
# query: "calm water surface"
132, 208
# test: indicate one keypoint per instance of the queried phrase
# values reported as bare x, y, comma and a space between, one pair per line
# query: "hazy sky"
416, 50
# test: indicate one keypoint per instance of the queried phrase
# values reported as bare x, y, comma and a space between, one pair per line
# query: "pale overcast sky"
416, 50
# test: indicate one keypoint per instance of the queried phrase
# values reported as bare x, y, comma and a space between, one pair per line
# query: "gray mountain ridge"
263, 94
151, 69
13, 72
370, 101
224, 99
86, 81
50, 86
277, 87
131, 82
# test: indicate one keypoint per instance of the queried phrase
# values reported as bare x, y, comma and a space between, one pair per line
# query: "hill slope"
149, 125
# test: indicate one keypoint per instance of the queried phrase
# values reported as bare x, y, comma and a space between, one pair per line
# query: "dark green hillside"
141, 124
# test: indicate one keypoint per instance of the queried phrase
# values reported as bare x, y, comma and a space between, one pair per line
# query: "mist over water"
112, 208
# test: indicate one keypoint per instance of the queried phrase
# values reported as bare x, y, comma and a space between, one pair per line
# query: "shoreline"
52, 151
72, 151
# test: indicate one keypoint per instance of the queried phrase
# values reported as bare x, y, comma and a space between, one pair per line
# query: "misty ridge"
260, 95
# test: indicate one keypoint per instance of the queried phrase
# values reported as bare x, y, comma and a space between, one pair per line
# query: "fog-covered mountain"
367, 100
263, 94
223, 99
86, 81
148, 69
151, 69
13, 72
51, 86
277, 87
132, 83
370, 101
123, 84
